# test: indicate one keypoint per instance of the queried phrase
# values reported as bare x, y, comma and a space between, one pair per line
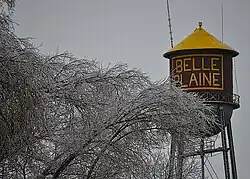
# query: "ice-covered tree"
64, 117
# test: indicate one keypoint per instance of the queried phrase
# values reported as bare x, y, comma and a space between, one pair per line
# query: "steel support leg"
172, 157
224, 144
232, 154
202, 159
180, 157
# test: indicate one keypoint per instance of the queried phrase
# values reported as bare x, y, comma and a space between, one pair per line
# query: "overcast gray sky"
136, 32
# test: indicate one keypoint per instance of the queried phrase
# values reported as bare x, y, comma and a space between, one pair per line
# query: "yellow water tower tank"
203, 64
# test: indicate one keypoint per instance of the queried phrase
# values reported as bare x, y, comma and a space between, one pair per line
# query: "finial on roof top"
200, 24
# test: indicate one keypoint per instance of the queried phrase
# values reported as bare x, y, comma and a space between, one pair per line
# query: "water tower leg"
232, 154
224, 144
172, 157
202, 159
180, 157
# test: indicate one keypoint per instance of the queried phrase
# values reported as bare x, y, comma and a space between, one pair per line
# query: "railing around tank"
222, 97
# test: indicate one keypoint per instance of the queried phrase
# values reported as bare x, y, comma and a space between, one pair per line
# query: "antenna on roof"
234, 61
222, 24
169, 24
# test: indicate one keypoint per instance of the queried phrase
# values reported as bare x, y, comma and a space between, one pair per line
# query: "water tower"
203, 64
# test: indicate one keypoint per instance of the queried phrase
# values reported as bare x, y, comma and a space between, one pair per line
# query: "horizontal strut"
219, 149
